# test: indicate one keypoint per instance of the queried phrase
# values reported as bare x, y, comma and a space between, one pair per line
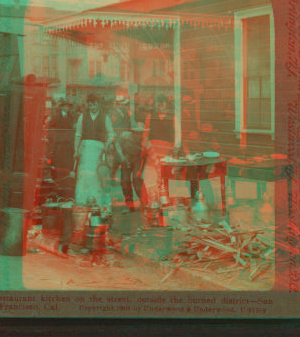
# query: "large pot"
52, 219
79, 226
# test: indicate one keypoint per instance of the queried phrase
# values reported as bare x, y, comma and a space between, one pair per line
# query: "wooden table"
264, 171
206, 168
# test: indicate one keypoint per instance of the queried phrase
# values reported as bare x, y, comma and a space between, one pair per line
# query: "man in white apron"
93, 133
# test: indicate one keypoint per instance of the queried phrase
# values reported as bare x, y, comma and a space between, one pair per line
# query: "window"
91, 68
255, 71
116, 66
161, 68
46, 66
73, 69
54, 70
45, 40
188, 71
124, 73
109, 65
98, 67
54, 45
37, 37
37, 63
185, 70
154, 68
136, 71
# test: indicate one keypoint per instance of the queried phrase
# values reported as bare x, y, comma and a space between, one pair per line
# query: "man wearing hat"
120, 122
74, 108
129, 152
94, 132
61, 140
141, 110
160, 137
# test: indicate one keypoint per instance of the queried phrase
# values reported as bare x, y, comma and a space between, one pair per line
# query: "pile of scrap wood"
223, 248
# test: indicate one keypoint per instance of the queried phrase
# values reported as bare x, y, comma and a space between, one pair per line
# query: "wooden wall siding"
210, 53
217, 7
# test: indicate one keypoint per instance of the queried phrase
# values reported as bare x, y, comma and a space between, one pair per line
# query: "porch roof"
94, 27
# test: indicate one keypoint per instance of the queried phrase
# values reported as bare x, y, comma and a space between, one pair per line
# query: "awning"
97, 27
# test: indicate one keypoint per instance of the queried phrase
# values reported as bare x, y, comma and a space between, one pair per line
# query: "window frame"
54, 67
239, 69
37, 63
46, 65
73, 65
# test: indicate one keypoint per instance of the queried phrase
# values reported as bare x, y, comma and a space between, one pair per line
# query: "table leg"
164, 190
223, 193
232, 185
259, 190
263, 188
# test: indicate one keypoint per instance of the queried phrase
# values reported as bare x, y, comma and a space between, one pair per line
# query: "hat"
193, 135
64, 103
188, 100
207, 127
162, 98
121, 100
95, 98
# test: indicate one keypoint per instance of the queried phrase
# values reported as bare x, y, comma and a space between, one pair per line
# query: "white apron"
88, 183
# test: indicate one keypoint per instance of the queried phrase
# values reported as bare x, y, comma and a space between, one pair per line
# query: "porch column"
132, 87
20, 39
177, 79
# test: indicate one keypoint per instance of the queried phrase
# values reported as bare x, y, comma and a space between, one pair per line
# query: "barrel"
13, 232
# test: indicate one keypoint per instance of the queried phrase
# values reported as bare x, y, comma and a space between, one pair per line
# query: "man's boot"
128, 194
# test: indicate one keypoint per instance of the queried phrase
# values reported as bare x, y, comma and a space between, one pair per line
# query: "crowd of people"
91, 143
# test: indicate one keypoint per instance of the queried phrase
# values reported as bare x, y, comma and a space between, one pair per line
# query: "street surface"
45, 271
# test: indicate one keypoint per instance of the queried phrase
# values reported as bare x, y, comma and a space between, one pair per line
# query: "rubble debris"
171, 272
188, 240
222, 243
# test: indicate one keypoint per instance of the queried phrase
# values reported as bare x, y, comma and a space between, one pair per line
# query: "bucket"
66, 229
52, 219
96, 238
154, 216
12, 238
157, 241
79, 226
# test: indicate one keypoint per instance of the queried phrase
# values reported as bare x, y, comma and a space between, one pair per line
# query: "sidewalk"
154, 248
170, 251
